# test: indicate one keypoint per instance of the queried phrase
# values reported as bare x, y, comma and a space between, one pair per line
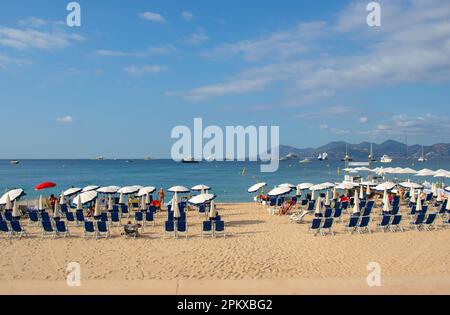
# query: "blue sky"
117, 85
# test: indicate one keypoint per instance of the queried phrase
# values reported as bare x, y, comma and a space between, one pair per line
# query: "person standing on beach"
161, 195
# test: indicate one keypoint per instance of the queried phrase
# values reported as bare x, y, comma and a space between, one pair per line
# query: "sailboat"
422, 158
323, 156
347, 157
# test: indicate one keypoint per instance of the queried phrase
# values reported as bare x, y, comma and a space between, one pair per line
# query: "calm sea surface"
225, 178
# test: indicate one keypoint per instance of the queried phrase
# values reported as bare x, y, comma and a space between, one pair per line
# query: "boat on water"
322, 156
14, 162
148, 158
304, 161
386, 159
422, 158
100, 158
189, 160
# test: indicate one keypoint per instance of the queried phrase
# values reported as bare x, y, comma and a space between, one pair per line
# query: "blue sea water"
225, 178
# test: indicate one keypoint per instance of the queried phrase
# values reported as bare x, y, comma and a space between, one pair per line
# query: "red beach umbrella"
45, 185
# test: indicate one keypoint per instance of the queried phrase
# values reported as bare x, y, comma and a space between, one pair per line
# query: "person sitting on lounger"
131, 229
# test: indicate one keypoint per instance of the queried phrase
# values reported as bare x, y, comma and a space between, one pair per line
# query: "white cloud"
152, 16
157, 50
187, 16
33, 22
29, 37
323, 126
363, 120
66, 119
198, 37
141, 70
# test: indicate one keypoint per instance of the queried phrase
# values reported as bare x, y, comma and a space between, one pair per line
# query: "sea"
229, 180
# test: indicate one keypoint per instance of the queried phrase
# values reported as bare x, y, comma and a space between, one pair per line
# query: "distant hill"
360, 152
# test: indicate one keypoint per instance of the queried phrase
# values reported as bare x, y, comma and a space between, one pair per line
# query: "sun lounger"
418, 221
8, 216
33, 218
115, 218
385, 223
182, 228
102, 229
327, 227
352, 225
47, 229
428, 224
315, 226
149, 217
207, 228
395, 225
169, 228
17, 229
79, 217
89, 229
219, 229
61, 229
4, 229
124, 211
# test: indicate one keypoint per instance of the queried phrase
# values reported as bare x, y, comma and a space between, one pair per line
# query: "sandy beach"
262, 254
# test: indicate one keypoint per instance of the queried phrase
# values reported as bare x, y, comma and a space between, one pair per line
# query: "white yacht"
422, 158
386, 159
323, 156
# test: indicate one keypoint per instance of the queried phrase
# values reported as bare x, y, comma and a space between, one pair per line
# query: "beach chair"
315, 226
395, 210
79, 215
169, 216
61, 229
169, 228
4, 229
337, 205
70, 218
327, 227
298, 217
17, 229
139, 218
64, 209
352, 225
370, 204
33, 218
367, 211
385, 222
47, 229
337, 216
428, 224
89, 229
219, 228
345, 205
45, 216
102, 229
153, 209
207, 228
149, 217
363, 226
418, 221
8, 216
395, 225
182, 228
104, 217
328, 213
124, 211
311, 206
115, 218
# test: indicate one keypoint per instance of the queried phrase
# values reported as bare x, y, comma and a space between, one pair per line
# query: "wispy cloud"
66, 119
152, 16
158, 50
33, 22
198, 37
187, 16
141, 70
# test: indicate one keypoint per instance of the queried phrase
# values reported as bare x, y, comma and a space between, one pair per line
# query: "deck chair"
47, 229
182, 228
169, 228
428, 224
207, 228
363, 226
395, 225
17, 229
315, 226
219, 228
327, 227
89, 229
61, 229
4, 229
384, 225
102, 229
418, 221
352, 225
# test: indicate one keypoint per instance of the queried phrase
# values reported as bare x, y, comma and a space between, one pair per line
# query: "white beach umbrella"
97, 211
304, 186
448, 203
313, 195
175, 207
212, 210
279, 191
385, 186
287, 185
361, 193
386, 203
90, 188
108, 190
434, 189
201, 199
110, 203
72, 191
146, 191
317, 187
79, 203
62, 199
425, 173
318, 209
356, 205
419, 203
408, 170
179, 189
121, 201
368, 183
368, 192
41, 203
346, 186
147, 199
412, 194
256, 187
129, 190
335, 195
56, 210
8, 205
327, 199
143, 203
85, 198
15, 210
411, 185
12, 195
201, 187
442, 174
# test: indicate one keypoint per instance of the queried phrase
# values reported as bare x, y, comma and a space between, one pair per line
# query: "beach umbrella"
15, 210
447, 207
328, 185
346, 186
41, 204
147, 199
201, 188
368, 183
442, 174
386, 203
446, 188
121, 199
72, 191
327, 199
143, 203
56, 210
279, 191
361, 193
175, 207
108, 190
408, 170
313, 195
90, 188
212, 210
368, 192
419, 203
201, 199
12, 195
385, 186
62, 200
412, 193
85, 198
45, 185
335, 193
318, 209
434, 189
144, 191
287, 185
356, 205
129, 190
256, 187
97, 211
318, 187
110, 203
8, 205
411, 185
304, 186
179, 189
